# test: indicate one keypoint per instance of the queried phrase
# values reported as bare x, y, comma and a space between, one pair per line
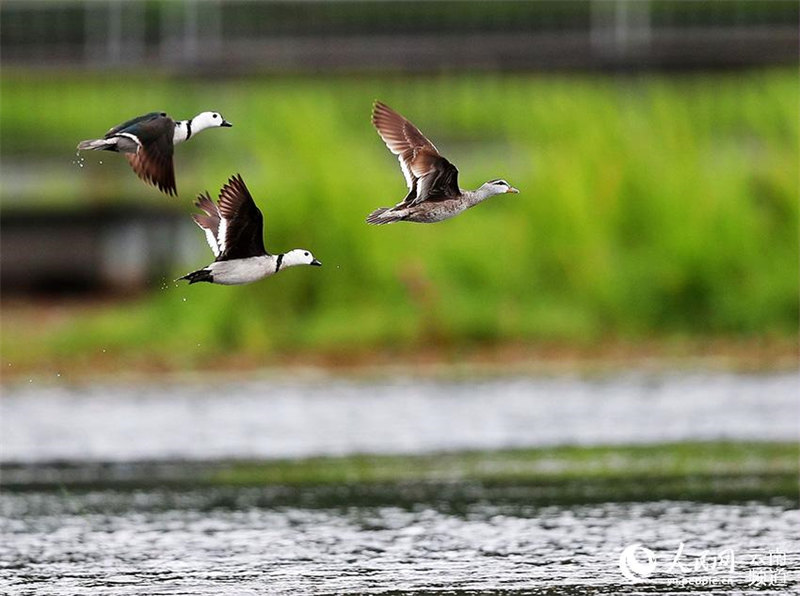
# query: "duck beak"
316, 263
512, 190
226, 124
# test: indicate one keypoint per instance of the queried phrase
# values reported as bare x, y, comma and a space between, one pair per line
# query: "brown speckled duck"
433, 191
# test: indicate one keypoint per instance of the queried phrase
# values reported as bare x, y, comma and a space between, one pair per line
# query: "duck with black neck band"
148, 142
234, 231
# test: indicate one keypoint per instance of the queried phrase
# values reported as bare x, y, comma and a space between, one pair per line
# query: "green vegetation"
652, 206
694, 471
691, 471
527, 465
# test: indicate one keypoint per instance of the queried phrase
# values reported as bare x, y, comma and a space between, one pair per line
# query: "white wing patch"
222, 235
128, 135
422, 188
212, 242
406, 172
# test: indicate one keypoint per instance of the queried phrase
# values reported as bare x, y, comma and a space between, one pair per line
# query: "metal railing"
297, 35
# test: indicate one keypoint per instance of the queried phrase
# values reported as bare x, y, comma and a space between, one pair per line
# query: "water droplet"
101, 162
184, 299
79, 161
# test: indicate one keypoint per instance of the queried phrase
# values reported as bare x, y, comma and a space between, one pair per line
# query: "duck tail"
199, 275
98, 145
384, 215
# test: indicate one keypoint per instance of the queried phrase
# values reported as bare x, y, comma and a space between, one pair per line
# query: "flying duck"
433, 191
234, 230
148, 141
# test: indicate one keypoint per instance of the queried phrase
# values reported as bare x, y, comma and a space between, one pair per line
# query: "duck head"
300, 256
498, 186
208, 120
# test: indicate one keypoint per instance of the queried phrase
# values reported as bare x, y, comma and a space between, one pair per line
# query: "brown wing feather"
397, 132
209, 221
233, 196
429, 175
153, 164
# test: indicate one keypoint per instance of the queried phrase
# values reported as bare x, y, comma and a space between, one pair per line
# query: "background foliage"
650, 206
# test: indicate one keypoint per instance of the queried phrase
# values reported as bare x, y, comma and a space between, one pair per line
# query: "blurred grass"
697, 471
651, 206
528, 465
706, 472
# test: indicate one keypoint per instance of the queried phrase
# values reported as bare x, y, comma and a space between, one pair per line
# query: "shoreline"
664, 356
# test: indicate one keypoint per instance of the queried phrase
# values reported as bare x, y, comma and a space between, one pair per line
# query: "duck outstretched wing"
209, 222
241, 227
428, 174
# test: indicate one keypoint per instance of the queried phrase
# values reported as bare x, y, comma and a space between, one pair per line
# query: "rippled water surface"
292, 419
142, 543
448, 538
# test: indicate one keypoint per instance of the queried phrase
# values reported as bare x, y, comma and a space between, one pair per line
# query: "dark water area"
194, 542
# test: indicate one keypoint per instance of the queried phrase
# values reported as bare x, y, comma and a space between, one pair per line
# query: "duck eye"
305, 254
216, 115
